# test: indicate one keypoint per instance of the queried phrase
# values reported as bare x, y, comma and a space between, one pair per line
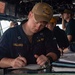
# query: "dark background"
20, 8
24, 6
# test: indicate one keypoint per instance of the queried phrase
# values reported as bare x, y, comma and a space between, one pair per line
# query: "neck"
68, 19
26, 29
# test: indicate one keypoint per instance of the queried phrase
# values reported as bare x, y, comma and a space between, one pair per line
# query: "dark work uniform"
70, 29
14, 42
61, 37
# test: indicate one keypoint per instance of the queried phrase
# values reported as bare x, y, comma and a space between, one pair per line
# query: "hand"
18, 62
61, 51
41, 60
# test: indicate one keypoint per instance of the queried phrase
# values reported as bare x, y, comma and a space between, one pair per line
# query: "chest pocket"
39, 46
20, 45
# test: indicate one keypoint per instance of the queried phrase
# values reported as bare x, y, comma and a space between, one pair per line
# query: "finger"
20, 64
22, 59
17, 62
36, 56
40, 63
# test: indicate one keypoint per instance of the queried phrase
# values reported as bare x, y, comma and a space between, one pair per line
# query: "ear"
30, 14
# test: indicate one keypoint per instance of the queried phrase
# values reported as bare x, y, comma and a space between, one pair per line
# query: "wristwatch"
50, 59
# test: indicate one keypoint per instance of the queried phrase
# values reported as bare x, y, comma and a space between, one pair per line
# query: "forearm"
69, 38
63, 24
5, 62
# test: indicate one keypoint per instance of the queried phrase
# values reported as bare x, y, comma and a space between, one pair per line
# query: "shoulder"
57, 29
72, 21
46, 31
10, 31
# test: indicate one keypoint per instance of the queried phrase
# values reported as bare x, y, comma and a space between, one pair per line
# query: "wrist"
50, 59
11, 62
6, 62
